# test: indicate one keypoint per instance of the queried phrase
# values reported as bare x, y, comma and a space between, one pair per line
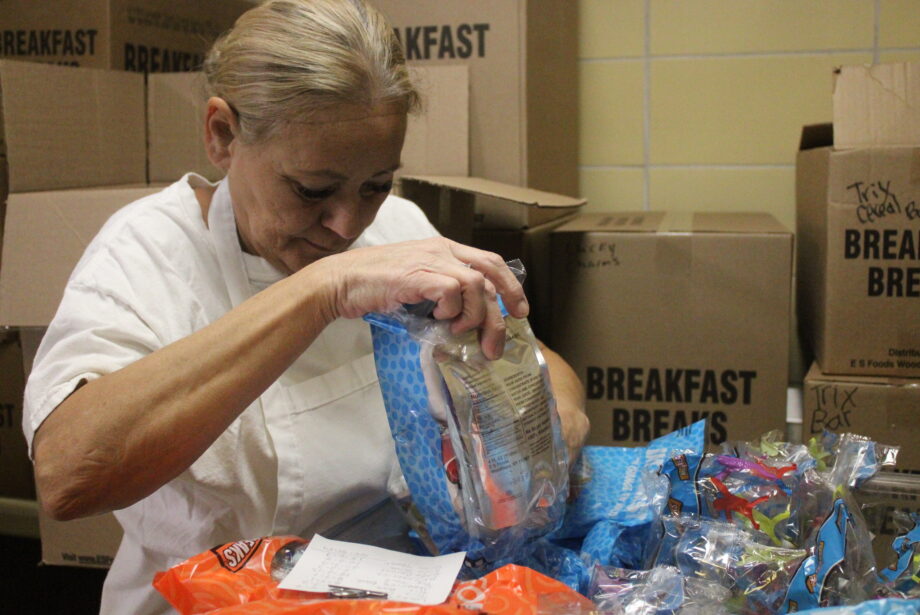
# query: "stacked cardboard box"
71, 139
522, 59
858, 215
671, 318
509, 220
135, 35
97, 160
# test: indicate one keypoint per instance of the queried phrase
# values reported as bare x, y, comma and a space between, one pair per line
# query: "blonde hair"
286, 59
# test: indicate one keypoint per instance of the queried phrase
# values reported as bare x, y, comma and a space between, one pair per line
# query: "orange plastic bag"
231, 574
236, 578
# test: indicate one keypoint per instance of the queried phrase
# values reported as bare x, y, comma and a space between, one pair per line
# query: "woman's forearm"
570, 402
120, 437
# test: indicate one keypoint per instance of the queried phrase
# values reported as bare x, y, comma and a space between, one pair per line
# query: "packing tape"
900, 410
909, 340
915, 167
674, 248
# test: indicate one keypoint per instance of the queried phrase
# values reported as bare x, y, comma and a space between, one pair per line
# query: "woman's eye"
314, 195
374, 189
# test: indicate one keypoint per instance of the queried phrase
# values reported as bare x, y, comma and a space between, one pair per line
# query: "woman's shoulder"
159, 226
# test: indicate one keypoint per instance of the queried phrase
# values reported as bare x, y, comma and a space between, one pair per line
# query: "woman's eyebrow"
329, 173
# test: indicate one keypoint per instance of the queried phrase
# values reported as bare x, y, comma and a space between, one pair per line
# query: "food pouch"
618, 496
503, 426
479, 442
612, 483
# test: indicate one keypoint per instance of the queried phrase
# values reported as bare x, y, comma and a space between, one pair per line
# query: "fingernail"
524, 306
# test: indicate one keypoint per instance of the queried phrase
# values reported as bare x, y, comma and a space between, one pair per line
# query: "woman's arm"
120, 437
570, 402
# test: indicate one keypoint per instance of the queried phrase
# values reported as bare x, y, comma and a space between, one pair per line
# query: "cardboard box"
437, 138
91, 542
858, 256
883, 409
176, 106
669, 318
45, 235
522, 57
65, 128
452, 203
16, 477
136, 35
462, 204
876, 105
531, 245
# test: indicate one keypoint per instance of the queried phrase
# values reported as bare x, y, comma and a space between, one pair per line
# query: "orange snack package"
231, 574
235, 578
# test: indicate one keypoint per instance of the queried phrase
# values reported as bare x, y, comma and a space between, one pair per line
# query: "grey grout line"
703, 166
876, 33
875, 50
646, 111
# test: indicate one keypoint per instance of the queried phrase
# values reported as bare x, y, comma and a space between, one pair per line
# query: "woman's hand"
461, 281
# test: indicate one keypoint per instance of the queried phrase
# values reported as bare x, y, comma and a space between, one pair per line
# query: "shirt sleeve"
94, 333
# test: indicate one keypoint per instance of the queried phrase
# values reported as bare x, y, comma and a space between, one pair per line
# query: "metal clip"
352, 593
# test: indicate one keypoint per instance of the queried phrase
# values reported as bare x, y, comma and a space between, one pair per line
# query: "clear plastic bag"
479, 442
756, 574
658, 591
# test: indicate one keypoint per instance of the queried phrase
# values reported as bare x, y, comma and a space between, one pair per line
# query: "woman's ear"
220, 129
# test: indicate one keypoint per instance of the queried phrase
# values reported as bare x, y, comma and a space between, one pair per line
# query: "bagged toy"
756, 574
661, 590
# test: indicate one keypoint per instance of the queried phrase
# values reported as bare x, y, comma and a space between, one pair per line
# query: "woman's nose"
342, 217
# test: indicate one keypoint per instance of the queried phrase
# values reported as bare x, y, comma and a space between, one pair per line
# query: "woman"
207, 375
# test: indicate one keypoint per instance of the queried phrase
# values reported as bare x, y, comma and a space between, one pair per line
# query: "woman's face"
311, 189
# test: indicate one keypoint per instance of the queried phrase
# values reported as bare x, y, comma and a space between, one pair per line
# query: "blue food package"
612, 483
891, 606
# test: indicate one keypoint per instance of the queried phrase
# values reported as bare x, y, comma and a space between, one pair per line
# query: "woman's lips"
319, 248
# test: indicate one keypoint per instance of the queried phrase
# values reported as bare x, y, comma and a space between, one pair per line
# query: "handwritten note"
403, 577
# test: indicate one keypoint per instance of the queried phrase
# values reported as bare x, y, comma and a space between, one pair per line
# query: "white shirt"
312, 451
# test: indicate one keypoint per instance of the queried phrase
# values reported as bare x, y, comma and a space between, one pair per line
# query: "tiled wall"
699, 104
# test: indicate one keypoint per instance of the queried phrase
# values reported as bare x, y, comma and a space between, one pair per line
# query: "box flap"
176, 107
817, 376
71, 127
438, 138
817, 135
498, 190
877, 105
44, 236
675, 222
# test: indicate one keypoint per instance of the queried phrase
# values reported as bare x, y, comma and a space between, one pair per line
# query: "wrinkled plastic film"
501, 417
479, 442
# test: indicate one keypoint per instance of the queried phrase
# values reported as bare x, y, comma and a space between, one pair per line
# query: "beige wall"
698, 104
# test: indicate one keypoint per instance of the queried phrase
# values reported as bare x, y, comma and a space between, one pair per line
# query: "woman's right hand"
462, 281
